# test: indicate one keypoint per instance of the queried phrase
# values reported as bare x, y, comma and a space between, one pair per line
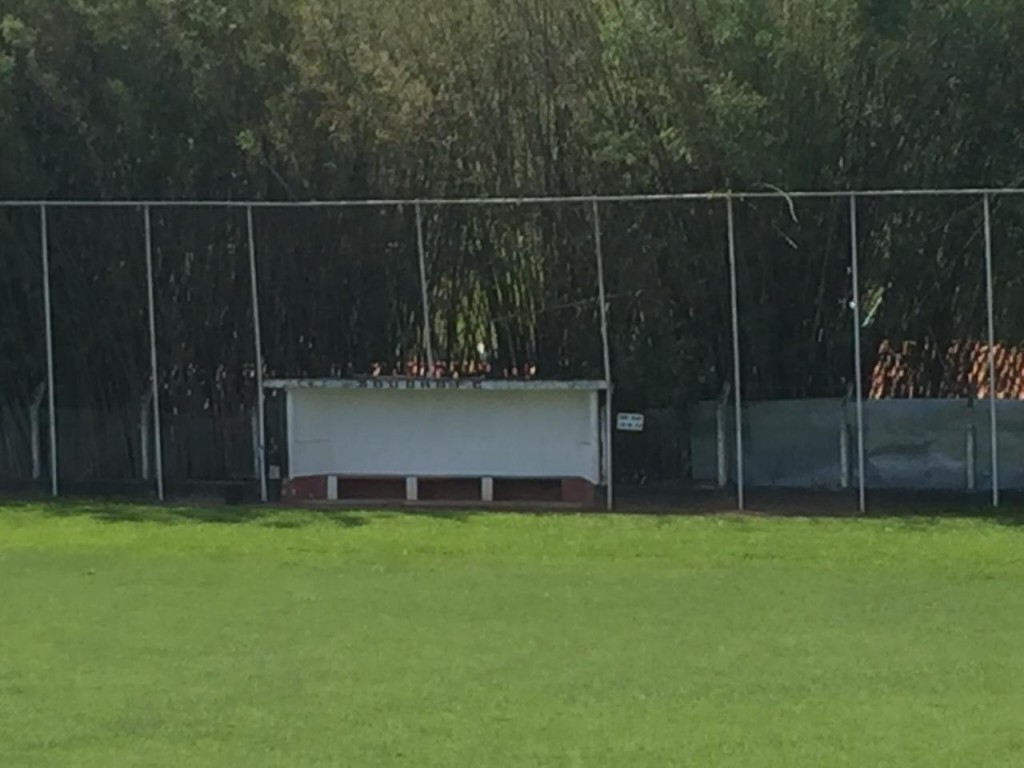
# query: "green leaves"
288, 99
16, 34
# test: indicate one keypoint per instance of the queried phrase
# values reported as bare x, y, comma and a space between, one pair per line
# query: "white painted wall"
448, 432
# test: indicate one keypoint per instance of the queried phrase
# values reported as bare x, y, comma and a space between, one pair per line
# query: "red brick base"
370, 488
576, 490
535, 491
449, 489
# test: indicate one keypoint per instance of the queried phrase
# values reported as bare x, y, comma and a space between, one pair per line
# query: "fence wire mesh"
509, 288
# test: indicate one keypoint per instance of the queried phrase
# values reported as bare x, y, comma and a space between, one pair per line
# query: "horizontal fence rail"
724, 201
531, 200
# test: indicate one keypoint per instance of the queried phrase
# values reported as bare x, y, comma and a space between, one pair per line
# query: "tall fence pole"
606, 354
33, 417
857, 362
51, 395
260, 395
421, 249
154, 371
990, 301
737, 376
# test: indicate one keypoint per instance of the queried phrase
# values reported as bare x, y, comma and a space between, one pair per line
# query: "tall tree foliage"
300, 99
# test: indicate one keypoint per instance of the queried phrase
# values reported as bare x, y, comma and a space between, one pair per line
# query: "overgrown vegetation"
300, 99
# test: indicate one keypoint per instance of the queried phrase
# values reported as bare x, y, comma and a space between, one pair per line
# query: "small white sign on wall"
630, 422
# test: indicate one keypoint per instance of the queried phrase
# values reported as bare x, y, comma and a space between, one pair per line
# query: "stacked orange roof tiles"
901, 371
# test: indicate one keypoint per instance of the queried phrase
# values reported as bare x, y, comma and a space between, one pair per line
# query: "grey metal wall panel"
916, 443
909, 444
793, 443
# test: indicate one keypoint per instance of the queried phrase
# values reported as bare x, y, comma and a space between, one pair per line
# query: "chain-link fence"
847, 342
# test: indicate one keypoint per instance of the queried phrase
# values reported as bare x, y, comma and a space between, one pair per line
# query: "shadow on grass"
923, 509
909, 511
1010, 518
283, 518
270, 517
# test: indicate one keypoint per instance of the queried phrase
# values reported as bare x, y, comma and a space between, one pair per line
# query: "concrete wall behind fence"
909, 444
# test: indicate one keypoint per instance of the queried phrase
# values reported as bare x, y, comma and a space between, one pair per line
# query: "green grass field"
156, 637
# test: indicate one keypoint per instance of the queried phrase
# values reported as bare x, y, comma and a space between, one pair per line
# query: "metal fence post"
260, 395
154, 371
145, 408
844, 454
857, 363
737, 375
51, 396
421, 250
969, 458
721, 442
33, 417
990, 302
606, 354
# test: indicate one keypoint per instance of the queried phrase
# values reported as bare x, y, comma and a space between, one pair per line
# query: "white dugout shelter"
445, 440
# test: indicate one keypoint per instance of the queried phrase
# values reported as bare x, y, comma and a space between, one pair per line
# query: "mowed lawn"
159, 637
